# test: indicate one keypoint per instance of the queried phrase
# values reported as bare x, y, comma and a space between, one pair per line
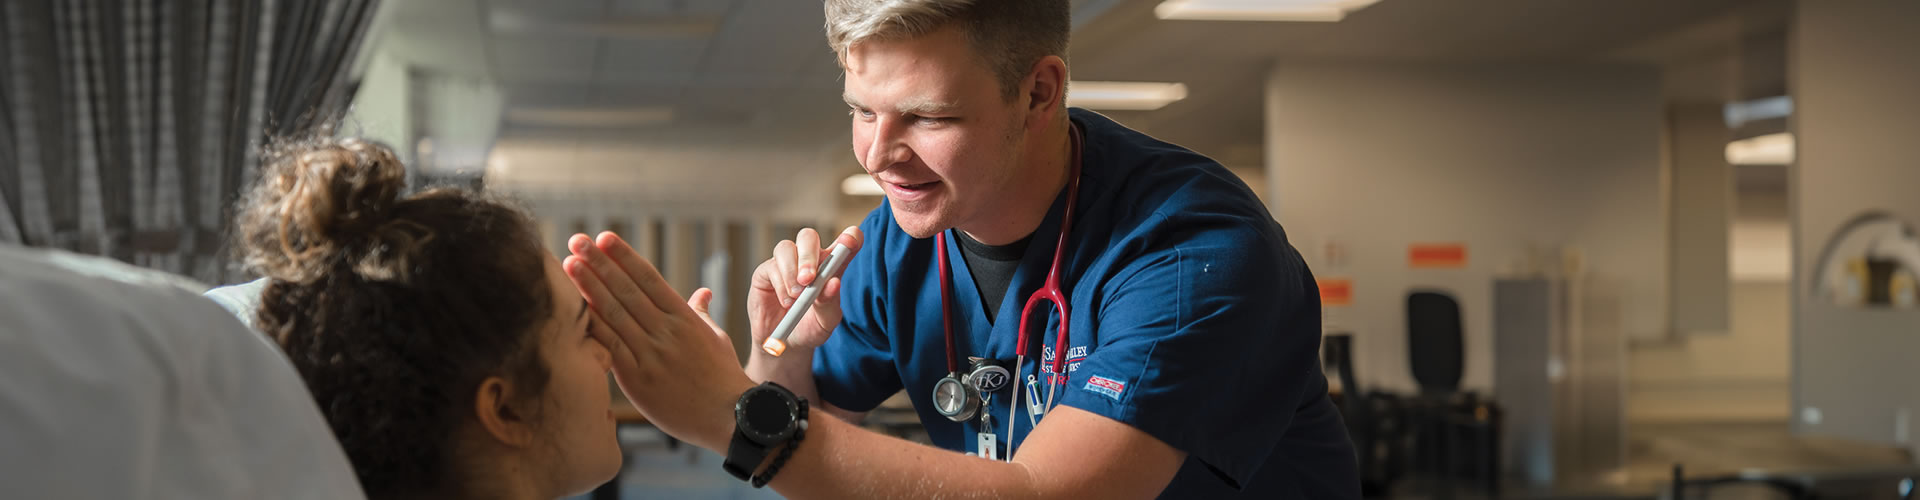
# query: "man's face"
933, 128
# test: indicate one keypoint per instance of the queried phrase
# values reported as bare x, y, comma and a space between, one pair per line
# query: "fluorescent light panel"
1259, 10
861, 185
1770, 149
1124, 96
1744, 112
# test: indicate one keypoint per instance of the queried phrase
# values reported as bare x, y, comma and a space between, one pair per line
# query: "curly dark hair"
394, 308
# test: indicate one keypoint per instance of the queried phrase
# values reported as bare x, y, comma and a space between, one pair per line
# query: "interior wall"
1514, 162
1739, 371
381, 108
1701, 184
1853, 74
1740, 375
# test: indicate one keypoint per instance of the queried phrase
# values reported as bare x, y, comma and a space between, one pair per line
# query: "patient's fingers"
621, 286
699, 301
640, 271
613, 314
622, 355
624, 361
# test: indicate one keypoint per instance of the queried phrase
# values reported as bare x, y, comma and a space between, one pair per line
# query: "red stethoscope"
959, 396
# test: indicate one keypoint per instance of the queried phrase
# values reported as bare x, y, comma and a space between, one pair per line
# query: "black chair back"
1434, 345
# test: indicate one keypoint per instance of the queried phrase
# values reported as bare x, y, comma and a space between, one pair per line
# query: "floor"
1854, 470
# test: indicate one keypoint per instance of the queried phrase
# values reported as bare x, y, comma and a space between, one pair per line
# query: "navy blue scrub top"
1193, 320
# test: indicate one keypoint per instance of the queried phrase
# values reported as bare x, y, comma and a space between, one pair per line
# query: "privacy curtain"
129, 127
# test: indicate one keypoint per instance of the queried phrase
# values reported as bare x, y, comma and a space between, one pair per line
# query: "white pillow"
120, 382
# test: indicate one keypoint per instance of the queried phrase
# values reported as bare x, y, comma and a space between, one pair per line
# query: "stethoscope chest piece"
953, 399
958, 396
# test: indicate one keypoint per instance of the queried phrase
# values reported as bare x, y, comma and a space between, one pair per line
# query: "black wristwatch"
766, 417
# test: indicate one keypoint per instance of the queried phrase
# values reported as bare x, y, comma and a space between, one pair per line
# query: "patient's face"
578, 416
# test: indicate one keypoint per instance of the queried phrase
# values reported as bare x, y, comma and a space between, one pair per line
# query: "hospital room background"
1565, 249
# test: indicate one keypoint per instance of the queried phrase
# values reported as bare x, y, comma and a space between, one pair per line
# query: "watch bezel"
767, 437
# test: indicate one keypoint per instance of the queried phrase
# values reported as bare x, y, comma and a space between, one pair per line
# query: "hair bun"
321, 200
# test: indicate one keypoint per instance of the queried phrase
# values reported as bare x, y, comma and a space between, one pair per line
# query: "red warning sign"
1437, 256
1336, 292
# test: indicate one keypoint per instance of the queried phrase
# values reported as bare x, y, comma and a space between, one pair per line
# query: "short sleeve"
1209, 347
854, 370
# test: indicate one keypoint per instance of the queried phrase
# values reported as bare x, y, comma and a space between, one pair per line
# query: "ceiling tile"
519, 54
635, 95
668, 55
673, 7
548, 95
768, 37
553, 9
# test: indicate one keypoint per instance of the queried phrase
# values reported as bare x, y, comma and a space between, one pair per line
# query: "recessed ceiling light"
1259, 10
1770, 149
861, 185
1125, 96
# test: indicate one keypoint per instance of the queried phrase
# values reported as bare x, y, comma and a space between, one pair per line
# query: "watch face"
766, 416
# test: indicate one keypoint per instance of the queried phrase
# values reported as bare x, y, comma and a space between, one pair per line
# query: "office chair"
1434, 345
1444, 414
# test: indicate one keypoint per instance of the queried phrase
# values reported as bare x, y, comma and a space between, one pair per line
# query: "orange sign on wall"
1336, 292
1437, 256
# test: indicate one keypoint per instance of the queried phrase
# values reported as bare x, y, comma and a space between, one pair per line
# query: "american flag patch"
1110, 387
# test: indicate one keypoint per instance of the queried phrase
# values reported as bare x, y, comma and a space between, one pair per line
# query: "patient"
445, 347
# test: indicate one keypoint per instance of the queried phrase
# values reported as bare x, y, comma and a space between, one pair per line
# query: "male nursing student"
1192, 326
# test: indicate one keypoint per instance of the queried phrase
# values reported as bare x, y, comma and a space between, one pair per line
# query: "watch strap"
786, 452
743, 456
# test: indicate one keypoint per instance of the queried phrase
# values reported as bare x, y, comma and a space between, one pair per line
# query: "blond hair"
1009, 35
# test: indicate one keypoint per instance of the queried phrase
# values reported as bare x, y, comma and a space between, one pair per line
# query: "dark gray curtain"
128, 127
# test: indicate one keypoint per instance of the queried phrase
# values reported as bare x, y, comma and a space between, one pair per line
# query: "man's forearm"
794, 370
840, 460
1072, 454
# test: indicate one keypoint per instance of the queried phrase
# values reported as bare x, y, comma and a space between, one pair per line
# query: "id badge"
989, 446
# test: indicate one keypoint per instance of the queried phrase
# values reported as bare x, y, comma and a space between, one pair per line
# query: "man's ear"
1045, 89
493, 407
